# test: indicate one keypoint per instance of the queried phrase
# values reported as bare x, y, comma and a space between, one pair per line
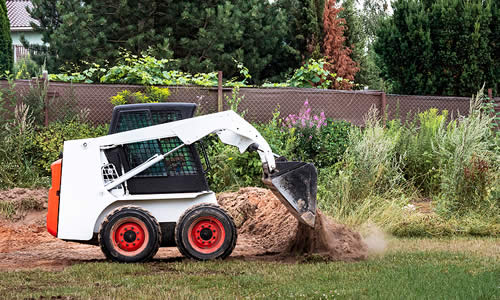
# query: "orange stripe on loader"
53, 211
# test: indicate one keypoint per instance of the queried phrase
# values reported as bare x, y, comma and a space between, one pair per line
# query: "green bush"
317, 139
6, 51
17, 167
151, 95
26, 68
230, 168
468, 169
368, 174
48, 141
420, 160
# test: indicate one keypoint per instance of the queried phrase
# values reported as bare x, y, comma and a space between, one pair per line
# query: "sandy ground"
266, 231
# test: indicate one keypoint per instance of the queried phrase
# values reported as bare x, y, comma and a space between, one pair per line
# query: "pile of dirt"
17, 203
266, 227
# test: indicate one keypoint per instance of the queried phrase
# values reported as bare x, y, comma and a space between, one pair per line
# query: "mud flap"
295, 184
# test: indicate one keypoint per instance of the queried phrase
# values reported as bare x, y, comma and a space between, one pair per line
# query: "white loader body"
86, 197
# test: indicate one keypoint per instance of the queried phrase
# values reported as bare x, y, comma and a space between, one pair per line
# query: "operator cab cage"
180, 172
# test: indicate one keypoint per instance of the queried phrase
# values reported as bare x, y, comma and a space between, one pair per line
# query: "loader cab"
180, 172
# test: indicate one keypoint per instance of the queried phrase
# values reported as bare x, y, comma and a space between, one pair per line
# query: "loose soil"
266, 231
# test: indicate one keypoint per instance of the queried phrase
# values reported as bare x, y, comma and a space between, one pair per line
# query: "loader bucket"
295, 184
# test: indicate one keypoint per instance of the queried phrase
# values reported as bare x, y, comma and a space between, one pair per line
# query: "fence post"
219, 93
45, 82
490, 93
383, 105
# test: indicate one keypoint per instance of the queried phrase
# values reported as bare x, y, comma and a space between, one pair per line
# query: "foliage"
469, 170
356, 40
234, 101
48, 141
152, 95
157, 94
312, 74
306, 26
308, 137
230, 168
8, 100
337, 54
6, 51
417, 141
370, 165
489, 106
145, 69
385, 170
447, 47
132, 25
17, 167
202, 37
34, 98
26, 68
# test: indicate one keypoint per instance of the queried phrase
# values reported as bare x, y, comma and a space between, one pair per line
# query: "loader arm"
294, 183
229, 126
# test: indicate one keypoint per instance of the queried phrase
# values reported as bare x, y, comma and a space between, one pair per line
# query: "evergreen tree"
6, 51
203, 36
93, 31
334, 49
356, 40
211, 35
305, 20
442, 47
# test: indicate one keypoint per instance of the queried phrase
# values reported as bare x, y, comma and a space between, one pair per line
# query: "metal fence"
259, 103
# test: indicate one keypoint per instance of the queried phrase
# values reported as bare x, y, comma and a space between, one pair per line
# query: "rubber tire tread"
106, 221
180, 225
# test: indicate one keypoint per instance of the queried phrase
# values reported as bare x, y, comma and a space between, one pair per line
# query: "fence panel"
406, 106
347, 105
94, 100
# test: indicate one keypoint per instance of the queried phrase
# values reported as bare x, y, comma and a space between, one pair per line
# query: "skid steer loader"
143, 185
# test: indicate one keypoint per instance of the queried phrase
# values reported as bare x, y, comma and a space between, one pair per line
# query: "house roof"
18, 16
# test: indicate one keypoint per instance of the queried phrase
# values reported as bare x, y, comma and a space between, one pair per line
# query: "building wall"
32, 37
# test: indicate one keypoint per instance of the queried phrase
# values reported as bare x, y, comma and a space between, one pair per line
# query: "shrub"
230, 168
26, 68
48, 142
421, 161
317, 139
151, 95
469, 170
312, 74
157, 94
17, 168
6, 51
35, 99
369, 175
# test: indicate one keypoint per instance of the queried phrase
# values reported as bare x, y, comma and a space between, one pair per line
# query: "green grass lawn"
412, 269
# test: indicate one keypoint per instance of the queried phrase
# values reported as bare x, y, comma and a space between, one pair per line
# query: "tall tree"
442, 47
305, 20
334, 48
93, 31
211, 35
357, 41
6, 52
202, 36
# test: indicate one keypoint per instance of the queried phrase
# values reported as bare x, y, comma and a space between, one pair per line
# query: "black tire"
129, 234
206, 231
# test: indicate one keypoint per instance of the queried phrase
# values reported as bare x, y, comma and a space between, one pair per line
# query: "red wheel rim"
206, 235
129, 236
